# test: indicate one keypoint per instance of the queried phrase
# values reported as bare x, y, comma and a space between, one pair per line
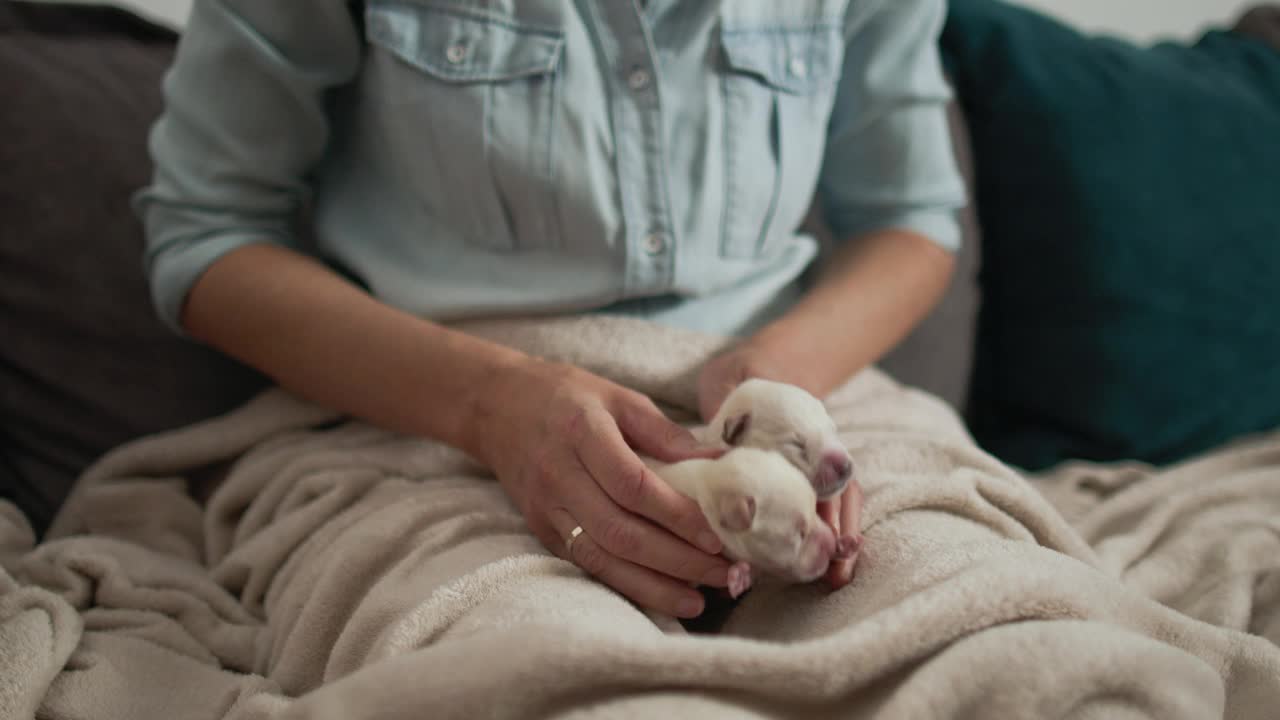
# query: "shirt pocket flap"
799, 60
459, 46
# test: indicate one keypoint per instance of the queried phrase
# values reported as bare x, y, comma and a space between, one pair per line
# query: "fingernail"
846, 569
718, 577
689, 607
708, 541
739, 580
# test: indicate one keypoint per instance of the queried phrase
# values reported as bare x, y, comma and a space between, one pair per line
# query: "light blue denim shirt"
527, 156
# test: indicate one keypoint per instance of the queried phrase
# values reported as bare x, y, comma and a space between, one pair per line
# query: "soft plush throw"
278, 562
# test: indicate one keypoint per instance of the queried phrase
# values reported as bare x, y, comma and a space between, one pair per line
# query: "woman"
545, 156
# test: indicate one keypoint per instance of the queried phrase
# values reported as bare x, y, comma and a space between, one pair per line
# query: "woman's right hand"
556, 436
560, 441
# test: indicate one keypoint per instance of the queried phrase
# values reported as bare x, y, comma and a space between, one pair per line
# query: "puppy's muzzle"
834, 472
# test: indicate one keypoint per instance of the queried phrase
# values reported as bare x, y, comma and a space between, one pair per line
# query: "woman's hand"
560, 441
752, 359
844, 514
735, 366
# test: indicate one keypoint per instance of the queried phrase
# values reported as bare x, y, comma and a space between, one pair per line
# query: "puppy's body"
761, 496
762, 508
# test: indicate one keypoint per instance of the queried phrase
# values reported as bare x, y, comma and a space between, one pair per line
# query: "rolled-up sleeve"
243, 125
889, 161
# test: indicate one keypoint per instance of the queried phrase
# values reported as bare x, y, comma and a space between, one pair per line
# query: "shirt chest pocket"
466, 107
778, 83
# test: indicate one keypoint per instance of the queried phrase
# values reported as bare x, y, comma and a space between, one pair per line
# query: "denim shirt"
505, 157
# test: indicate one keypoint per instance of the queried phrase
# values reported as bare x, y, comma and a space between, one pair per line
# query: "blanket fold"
280, 562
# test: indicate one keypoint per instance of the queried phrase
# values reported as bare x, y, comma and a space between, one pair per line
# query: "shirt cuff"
175, 268
942, 227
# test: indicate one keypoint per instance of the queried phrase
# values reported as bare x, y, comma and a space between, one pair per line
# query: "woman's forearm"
328, 341
875, 290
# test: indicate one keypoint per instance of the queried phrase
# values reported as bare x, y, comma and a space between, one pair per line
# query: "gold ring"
573, 535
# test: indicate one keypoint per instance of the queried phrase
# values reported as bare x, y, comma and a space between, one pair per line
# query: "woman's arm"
558, 438
874, 291
889, 190
325, 339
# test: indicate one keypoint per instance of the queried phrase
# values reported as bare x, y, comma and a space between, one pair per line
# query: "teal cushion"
1129, 199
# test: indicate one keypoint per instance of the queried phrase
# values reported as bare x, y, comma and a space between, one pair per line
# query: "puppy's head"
787, 420
763, 509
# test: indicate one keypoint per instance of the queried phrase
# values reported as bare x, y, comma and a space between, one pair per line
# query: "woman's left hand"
731, 368
843, 511
725, 372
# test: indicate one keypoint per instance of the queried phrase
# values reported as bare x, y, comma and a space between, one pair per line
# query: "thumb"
650, 432
719, 378
829, 512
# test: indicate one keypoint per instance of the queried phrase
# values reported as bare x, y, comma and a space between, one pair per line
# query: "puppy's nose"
840, 463
834, 472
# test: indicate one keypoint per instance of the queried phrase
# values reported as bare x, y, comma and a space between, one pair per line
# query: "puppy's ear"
735, 427
737, 511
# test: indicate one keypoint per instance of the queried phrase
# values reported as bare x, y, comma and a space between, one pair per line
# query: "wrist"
779, 352
487, 409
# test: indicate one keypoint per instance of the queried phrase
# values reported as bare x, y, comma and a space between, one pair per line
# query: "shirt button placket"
655, 244
637, 120
639, 79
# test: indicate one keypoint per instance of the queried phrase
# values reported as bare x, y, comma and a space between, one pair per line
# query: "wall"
1138, 19
1145, 19
173, 11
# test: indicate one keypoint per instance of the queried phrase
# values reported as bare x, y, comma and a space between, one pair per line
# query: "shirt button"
456, 53
655, 244
797, 67
638, 79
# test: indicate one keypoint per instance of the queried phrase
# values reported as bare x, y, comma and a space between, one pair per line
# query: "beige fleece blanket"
278, 563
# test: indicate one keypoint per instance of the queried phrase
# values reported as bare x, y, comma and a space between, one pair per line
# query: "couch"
86, 366
1115, 298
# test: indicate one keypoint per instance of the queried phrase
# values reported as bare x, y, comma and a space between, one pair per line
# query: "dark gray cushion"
84, 363
1261, 22
938, 355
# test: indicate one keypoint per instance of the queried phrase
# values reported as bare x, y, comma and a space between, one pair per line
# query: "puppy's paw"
739, 579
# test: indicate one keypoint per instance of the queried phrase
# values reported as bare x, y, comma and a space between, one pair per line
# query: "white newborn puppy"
788, 420
764, 511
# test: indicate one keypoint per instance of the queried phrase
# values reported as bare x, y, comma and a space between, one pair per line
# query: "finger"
633, 538
829, 512
642, 586
851, 509
840, 573
631, 484
712, 391
550, 536
645, 428
719, 378
711, 396
739, 579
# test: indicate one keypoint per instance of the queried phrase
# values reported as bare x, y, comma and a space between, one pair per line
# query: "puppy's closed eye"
735, 428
